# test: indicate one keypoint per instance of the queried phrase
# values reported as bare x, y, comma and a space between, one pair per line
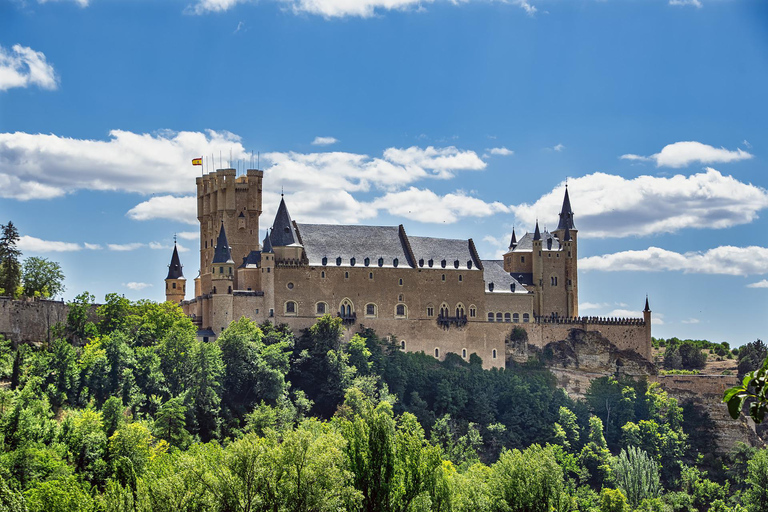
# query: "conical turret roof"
283, 233
537, 233
647, 308
222, 253
566, 214
513, 240
267, 245
174, 269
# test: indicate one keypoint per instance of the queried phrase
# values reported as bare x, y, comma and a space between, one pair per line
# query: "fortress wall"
697, 384
25, 321
625, 337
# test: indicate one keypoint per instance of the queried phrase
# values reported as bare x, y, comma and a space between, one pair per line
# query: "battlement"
588, 320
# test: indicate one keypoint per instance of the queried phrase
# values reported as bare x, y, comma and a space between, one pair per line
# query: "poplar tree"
10, 267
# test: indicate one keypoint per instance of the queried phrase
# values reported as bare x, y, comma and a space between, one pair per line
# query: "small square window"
461, 278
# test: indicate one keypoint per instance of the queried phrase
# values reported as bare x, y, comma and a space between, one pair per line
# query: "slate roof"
174, 269
283, 232
267, 245
525, 244
439, 249
347, 242
493, 272
566, 213
222, 253
252, 260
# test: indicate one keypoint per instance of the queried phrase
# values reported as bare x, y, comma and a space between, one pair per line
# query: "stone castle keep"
430, 294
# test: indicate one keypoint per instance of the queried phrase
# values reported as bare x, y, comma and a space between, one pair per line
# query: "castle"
428, 294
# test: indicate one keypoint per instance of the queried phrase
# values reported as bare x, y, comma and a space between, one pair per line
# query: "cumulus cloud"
324, 141
81, 3
44, 166
181, 209
426, 206
92, 247
691, 321
584, 306
558, 148
727, 260
133, 285
139, 245
31, 244
208, 6
22, 66
608, 206
682, 154
189, 235
759, 284
656, 318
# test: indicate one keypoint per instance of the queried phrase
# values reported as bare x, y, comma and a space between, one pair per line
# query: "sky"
458, 119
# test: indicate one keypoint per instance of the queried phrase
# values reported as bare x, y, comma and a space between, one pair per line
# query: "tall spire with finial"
647, 308
513, 240
537, 233
174, 269
222, 253
566, 213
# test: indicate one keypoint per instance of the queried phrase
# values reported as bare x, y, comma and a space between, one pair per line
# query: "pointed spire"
222, 253
174, 269
513, 241
647, 308
283, 232
566, 214
567, 235
267, 245
537, 233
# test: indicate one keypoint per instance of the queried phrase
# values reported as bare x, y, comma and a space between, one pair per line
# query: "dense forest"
125, 410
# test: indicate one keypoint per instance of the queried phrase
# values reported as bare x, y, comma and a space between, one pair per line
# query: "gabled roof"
525, 244
346, 242
222, 253
566, 214
174, 269
494, 273
252, 260
283, 232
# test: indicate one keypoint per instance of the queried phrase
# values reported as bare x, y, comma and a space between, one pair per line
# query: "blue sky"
457, 119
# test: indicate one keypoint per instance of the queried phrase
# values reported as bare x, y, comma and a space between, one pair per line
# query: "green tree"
612, 500
755, 497
10, 267
42, 277
527, 481
204, 396
79, 326
112, 415
636, 475
751, 357
595, 457
170, 423
59, 495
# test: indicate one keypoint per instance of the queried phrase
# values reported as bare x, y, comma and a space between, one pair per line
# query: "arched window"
444, 310
421, 262
401, 283
469, 263
229, 289
461, 278
346, 275
214, 290
460, 310
230, 270
456, 264
472, 311
401, 311
490, 287
367, 261
526, 318
321, 308
443, 263
352, 261
494, 353
290, 308
516, 317
431, 262
346, 308
464, 353
338, 261
437, 352
507, 317
402, 344
395, 262
490, 317
381, 262
430, 310
400, 298
370, 310
498, 317
325, 260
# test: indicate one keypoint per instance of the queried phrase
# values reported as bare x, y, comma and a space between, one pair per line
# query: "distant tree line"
34, 277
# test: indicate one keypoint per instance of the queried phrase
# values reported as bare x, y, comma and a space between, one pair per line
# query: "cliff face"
587, 355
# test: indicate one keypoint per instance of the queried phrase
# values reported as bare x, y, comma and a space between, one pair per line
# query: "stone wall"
29, 321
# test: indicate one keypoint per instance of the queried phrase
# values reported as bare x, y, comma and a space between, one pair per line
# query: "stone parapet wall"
29, 321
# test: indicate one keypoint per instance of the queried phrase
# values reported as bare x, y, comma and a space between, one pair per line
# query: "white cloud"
608, 206
133, 285
682, 154
92, 247
691, 321
502, 151
189, 235
181, 209
28, 243
441, 161
584, 306
727, 260
746, 144
694, 3
206, 6
44, 166
558, 148
759, 284
324, 141
22, 66
125, 247
81, 3
426, 206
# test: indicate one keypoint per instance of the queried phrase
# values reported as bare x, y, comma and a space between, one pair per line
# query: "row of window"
395, 262
437, 351
508, 317
400, 281
346, 309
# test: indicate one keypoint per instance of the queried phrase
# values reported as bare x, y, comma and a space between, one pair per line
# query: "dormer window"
456, 264
421, 262
443, 263
338, 261
431, 262
352, 262
325, 260
395, 262
381, 262
490, 287
367, 261
469, 263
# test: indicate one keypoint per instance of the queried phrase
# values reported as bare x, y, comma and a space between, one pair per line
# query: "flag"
197, 161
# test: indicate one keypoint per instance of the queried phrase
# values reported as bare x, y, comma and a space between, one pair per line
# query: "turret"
648, 339
284, 239
268, 275
175, 283
222, 266
513, 240
538, 271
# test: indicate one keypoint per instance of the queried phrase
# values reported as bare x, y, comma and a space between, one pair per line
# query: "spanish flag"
197, 161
